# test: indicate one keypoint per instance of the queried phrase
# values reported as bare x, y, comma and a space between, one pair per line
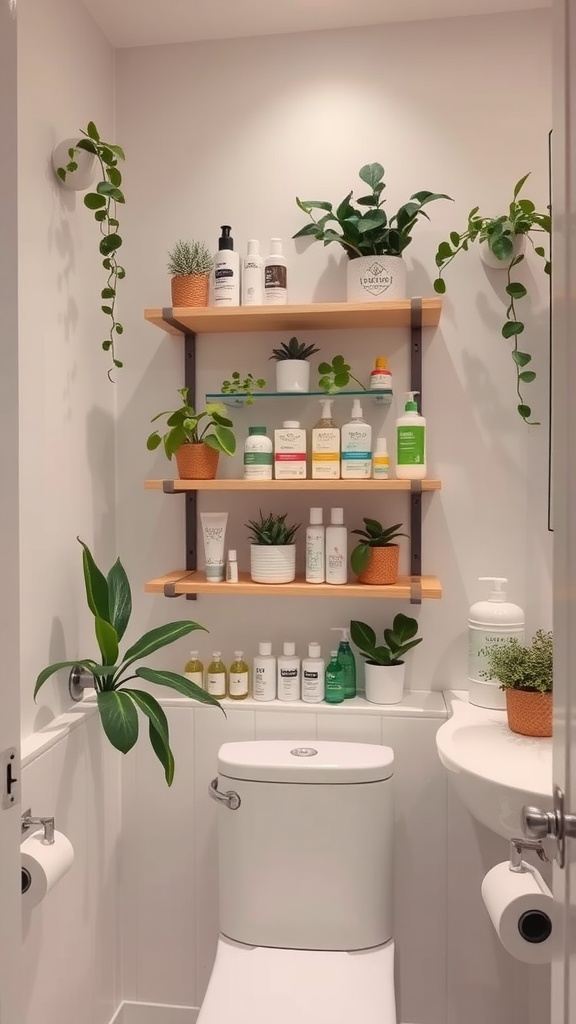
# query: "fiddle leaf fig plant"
103, 202
109, 600
522, 220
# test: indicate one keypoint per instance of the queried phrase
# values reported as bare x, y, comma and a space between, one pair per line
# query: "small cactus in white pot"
273, 549
190, 264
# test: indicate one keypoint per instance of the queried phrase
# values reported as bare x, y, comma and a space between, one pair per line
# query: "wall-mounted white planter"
490, 260
375, 278
293, 375
81, 179
272, 563
384, 683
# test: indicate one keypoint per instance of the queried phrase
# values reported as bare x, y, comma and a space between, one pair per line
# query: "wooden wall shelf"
342, 486
174, 584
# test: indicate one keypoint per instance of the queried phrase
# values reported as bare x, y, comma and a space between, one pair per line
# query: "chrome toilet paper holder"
517, 847
31, 824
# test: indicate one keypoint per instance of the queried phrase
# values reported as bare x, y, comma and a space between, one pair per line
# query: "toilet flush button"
303, 752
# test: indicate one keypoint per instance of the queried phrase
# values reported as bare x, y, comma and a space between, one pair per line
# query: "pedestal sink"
494, 771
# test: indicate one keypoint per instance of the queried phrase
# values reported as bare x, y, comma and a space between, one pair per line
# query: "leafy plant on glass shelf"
272, 529
398, 640
336, 375
500, 234
367, 231
186, 426
110, 602
293, 349
373, 536
238, 385
522, 667
103, 202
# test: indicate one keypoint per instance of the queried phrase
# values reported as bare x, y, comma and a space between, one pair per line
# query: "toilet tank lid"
306, 761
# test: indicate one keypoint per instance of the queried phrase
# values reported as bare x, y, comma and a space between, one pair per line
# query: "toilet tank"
305, 861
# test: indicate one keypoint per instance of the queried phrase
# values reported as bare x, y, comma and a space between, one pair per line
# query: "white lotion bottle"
313, 671
275, 275
264, 678
288, 673
411, 442
226, 271
356, 443
315, 548
336, 548
490, 622
253, 275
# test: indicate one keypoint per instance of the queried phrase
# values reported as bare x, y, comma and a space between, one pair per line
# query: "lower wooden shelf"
183, 582
227, 484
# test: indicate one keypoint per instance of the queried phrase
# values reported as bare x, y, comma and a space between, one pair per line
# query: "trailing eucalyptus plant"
103, 203
500, 234
110, 601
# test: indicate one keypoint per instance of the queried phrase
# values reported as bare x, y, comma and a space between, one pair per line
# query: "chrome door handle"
538, 824
230, 798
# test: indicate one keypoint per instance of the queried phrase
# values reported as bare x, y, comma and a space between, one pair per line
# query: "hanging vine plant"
103, 202
502, 235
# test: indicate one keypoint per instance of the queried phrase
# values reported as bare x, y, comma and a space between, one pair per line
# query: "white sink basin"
493, 770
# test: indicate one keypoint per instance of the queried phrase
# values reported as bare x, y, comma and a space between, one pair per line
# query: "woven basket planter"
529, 713
197, 462
190, 290
382, 568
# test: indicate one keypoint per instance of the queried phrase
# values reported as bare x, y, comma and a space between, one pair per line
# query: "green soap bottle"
347, 662
334, 680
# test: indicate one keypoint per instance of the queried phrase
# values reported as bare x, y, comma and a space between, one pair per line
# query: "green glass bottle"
334, 680
347, 662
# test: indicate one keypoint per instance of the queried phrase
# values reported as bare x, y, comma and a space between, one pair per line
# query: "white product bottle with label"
411, 442
326, 445
356, 463
490, 622
264, 673
275, 275
381, 460
336, 548
226, 271
381, 378
315, 548
253, 275
313, 670
288, 673
258, 456
238, 678
290, 451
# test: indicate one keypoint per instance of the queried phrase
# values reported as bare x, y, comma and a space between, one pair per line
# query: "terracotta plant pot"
190, 290
529, 713
197, 462
382, 568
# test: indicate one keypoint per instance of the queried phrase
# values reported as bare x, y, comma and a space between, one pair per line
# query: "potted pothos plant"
376, 557
273, 549
195, 438
384, 663
119, 700
72, 161
503, 243
190, 265
373, 241
292, 366
525, 672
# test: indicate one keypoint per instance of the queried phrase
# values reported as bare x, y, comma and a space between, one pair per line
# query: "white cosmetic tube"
213, 535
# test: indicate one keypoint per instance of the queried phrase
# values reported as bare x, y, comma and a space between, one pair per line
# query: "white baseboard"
154, 1013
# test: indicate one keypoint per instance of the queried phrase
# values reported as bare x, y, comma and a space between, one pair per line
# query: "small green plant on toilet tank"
398, 640
110, 602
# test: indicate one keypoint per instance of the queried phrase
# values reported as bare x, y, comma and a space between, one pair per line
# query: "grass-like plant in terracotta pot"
195, 438
385, 667
292, 366
273, 549
375, 558
190, 264
525, 672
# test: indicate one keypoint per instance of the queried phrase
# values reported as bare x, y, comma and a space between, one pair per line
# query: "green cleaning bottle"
347, 662
334, 680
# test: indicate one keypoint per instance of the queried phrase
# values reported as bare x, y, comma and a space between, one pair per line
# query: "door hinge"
10, 777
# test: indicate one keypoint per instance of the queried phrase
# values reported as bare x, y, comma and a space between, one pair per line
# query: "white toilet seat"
261, 985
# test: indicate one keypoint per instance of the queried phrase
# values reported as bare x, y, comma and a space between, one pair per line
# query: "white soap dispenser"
490, 622
411, 442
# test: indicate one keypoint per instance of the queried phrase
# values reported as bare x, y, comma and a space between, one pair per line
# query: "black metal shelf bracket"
191, 496
416, 485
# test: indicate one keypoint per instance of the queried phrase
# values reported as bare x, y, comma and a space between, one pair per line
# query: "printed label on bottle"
264, 681
336, 561
275, 276
258, 458
411, 446
314, 560
195, 677
216, 684
480, 641
381, 467
215, 571
238, 684
355, 456
222, 272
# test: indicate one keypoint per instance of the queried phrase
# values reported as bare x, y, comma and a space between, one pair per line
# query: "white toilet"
305, 854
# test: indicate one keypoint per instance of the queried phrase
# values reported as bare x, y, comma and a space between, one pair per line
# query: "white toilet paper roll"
522, 910
43, 865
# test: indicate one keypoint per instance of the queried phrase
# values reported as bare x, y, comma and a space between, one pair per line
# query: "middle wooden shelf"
222, 484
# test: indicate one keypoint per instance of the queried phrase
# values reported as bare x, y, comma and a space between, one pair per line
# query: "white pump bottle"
490, 622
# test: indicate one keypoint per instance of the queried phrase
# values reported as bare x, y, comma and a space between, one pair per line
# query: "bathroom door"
564, 431
10, 941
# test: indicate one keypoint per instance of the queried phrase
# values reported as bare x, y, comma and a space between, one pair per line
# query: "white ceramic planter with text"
375, 278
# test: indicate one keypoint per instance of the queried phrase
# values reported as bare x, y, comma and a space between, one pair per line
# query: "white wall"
65, 79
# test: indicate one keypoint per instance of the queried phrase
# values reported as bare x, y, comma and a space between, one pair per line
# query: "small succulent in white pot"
292, 366
273, 549
190, 265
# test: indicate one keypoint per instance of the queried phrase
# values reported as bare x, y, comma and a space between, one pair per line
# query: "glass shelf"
380, 397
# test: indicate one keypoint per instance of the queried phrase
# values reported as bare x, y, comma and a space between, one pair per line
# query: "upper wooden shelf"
315, 316
182, 582
221, 484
